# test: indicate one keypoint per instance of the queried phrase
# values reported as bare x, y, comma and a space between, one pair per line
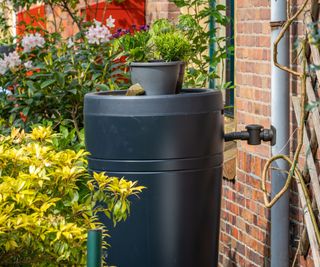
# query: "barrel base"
174, 223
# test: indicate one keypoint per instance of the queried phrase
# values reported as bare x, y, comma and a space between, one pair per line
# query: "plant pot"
156, 78
180, 77
6, 49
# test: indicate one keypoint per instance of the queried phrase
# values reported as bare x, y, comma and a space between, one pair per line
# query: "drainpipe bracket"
277, 24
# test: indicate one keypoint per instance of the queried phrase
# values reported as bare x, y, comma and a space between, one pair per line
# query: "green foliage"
314, 34
161, 26
172, 46
163, 41
48, 201
136, 46
188, 40
195, 26
53, 88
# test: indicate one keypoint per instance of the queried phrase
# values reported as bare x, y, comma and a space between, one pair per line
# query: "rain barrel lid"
188, 101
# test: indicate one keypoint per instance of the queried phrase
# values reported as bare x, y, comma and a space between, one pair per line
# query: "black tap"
254, 134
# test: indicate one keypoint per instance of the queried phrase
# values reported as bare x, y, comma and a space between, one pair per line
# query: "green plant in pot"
174, 47
156, 57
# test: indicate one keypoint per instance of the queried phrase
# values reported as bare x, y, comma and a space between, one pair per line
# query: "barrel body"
173, 145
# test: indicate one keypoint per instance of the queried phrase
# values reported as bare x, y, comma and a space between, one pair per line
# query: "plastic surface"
156, 78
182, 70
94, 248
173, 145
254, 134
254, 131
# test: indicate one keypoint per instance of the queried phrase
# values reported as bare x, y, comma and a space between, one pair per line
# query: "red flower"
23, 117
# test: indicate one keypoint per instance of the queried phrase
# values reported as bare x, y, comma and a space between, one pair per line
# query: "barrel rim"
155, 63
194, 101
120, 94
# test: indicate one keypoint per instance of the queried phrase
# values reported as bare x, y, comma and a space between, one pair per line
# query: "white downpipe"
280, 120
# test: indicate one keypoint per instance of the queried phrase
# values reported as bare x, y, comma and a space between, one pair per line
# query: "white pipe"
280, 119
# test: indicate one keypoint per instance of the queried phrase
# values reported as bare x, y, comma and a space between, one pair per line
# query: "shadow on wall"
33, 17
131, 12
231, 261
155, 10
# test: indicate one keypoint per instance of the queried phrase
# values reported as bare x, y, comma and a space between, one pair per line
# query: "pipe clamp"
277, 24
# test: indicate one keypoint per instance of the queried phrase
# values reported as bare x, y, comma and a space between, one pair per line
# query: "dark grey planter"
181, 76
6, 49
156, 78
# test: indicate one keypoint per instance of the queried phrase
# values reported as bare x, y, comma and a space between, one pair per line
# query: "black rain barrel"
173, 145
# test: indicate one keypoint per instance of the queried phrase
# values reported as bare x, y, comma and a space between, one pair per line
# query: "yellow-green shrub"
48, 201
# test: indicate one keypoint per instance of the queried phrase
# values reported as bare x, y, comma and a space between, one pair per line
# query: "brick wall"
156, 9
58, 20
245, 223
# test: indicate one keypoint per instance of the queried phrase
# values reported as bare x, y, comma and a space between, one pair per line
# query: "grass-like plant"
163, 41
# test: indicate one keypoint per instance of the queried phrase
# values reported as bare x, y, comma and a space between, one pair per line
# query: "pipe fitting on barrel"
254, 134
